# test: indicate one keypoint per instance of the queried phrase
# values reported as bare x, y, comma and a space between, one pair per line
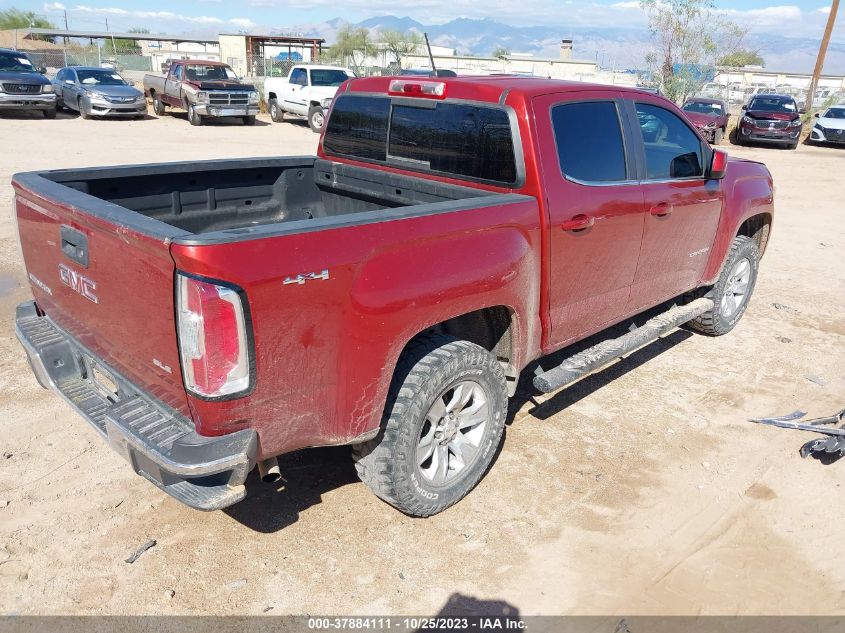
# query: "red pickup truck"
207, 317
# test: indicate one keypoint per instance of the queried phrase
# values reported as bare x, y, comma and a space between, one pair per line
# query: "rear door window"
672, 149
459, 139
589, 141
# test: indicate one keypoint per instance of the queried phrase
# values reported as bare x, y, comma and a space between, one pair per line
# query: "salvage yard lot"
643, 489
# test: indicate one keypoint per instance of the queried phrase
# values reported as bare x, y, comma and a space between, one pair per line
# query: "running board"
594, 358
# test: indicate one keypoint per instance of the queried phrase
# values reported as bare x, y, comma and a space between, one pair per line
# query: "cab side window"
177, 72
672, 149
299, 77
589, 142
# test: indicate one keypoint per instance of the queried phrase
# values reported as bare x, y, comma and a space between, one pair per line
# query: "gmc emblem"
78, 283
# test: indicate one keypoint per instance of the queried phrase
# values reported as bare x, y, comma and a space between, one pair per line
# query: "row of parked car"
772, 119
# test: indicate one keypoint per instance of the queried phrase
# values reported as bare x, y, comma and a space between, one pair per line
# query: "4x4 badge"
303, 277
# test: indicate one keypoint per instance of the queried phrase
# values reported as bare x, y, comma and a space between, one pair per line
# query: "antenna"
430, 56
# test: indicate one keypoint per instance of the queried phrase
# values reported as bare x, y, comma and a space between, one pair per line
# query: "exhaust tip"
269, 470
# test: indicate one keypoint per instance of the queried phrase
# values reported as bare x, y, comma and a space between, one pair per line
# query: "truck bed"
240, 195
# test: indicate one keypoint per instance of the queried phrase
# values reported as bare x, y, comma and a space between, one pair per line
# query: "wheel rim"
317, 120
274, 111
736, 290
452, 432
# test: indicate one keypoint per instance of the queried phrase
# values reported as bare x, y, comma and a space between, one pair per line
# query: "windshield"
772, 104
100, 78
201, 72
834, 113
327, 77
15, 61
703, 108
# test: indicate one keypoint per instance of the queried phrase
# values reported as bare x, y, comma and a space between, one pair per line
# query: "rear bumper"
27, 102
206, 473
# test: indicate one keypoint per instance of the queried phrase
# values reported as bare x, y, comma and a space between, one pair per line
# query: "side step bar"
594, 358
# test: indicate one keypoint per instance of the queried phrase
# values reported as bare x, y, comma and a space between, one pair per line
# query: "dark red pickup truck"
206, 317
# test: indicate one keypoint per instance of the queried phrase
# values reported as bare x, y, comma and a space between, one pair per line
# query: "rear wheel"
276, 112
315, 118
444, 419
193, 116
158, 105
732, 291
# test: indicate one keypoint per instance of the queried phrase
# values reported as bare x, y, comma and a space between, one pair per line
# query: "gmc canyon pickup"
206, 317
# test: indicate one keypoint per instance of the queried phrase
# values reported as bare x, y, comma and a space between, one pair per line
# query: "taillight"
415, 88
213, 342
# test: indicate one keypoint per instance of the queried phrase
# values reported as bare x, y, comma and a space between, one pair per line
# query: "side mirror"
131, 83
42, 70
802, 111
718, 165
744, 107
69, 82
817, 114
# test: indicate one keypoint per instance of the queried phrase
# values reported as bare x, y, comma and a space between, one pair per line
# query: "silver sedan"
100, 92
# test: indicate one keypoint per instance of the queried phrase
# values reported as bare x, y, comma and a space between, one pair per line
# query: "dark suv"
23, 86
770, 118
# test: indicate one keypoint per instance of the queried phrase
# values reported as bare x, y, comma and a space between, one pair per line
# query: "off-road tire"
714, 322
276, 112
158, 105
425, 371
316, 122
193, 117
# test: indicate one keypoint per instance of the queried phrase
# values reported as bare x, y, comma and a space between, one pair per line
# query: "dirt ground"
641, 490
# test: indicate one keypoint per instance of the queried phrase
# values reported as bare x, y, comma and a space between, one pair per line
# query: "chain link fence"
59, 57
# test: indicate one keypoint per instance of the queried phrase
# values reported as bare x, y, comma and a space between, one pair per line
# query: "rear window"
463, 140
589, 141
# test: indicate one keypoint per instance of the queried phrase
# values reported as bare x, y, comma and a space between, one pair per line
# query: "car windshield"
834, 113
10, 62
703, 107
772, 104
201, 72
328, 77
100, 78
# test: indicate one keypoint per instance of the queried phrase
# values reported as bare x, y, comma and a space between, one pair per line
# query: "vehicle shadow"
215, 121
309, 473
461, 605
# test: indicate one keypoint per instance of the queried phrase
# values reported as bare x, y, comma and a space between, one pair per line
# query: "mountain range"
617, 47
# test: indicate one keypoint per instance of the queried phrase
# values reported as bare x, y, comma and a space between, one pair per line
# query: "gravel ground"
642, 489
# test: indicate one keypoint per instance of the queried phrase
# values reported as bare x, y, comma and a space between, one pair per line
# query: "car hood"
832, 124
224, 85
22, 77
115, 91
772, 116
699, 118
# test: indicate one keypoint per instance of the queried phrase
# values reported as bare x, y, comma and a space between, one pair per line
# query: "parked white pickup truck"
307, 91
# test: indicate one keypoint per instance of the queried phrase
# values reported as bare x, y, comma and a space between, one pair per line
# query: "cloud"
825, 10
244, 23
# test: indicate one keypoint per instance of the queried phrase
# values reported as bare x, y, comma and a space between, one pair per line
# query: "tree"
354, 44
401, 44
500, 52
17, 19
741, 57
687, 35
122, 46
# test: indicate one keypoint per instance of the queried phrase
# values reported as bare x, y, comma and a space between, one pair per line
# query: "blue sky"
798, 18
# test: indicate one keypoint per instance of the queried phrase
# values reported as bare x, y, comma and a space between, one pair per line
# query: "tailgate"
104, 274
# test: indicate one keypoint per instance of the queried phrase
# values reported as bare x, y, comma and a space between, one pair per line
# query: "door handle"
661, 210
578, 223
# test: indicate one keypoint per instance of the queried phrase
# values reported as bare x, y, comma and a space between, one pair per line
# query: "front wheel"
50, 114
732, 291
276, 112
441, 427
717, 136
83, 111
315, 118
193, 116
249, 120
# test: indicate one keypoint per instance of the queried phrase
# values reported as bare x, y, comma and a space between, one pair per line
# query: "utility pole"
66, 29
817, 71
